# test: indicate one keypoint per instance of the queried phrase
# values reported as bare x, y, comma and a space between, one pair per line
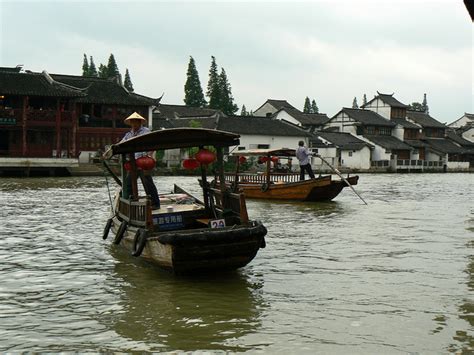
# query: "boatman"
135, 121
303, 154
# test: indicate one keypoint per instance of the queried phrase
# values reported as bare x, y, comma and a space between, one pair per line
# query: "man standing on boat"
303, 154
135, 121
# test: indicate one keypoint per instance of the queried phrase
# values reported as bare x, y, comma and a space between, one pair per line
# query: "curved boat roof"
281, 152
175, 138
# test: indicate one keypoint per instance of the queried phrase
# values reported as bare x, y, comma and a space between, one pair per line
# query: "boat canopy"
174, 138
281, 152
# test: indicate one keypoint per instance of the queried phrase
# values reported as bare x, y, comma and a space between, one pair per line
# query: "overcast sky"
330, 51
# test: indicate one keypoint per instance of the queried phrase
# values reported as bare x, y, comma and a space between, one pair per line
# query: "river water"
393, 277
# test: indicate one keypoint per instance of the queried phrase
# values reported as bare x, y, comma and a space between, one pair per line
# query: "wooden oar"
342, 177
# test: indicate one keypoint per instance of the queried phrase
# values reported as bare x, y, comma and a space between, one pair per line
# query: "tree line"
105, 71
219, 90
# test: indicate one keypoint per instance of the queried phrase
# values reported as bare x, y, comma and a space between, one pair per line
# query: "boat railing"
134, 212
228, 201
262, 178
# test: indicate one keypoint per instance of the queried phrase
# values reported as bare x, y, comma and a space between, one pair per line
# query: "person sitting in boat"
135, 121
303, 155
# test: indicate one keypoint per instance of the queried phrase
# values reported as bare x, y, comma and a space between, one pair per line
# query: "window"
350, 154
241, 148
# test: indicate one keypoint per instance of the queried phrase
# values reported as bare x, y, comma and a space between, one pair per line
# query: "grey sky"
330, 51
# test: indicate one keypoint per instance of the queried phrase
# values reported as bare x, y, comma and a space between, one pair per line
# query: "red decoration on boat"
190, 164
242, 160
127, 165
205, 156
146, 163
274, 159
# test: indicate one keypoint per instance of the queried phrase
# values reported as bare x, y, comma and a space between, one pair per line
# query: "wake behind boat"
277, 182
186, 234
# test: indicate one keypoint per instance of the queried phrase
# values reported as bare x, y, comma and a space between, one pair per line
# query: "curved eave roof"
34, 84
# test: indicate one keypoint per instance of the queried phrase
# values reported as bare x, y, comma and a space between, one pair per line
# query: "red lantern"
262, 160
145, 163
190, 164
205, 156
127, 165
242, 160
274, 159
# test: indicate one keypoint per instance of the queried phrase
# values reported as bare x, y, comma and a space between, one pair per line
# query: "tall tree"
425, 105
416, 106
244, 111
92, 68
364, 100
103, 72
193, 95
213, 90
314, 107
112, 68
354, 103
128, 82
85, 66
227, 104
307, 105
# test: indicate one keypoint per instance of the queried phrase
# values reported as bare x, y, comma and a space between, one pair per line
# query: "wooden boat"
185, 234
280, 183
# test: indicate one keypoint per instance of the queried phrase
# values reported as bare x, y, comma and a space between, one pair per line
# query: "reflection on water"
182, 313
395, 276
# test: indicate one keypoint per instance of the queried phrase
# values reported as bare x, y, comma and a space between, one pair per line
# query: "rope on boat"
108, 190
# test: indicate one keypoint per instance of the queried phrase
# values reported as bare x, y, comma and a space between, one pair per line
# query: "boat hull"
319, 189
198, 250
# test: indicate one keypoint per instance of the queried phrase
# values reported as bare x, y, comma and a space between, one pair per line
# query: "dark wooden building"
63, 116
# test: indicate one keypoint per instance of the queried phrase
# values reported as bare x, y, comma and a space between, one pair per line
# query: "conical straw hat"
134, 116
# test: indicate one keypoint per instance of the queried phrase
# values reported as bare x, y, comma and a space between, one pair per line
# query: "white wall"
398, 132
274, 142
343, 122
380, 107
283, 115
457, 165
266, 108
469, 134
431, 156
360, 159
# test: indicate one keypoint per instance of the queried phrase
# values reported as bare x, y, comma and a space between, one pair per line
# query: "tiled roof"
388, 142
344, 141
451, 134
469, 115
279, 104
249, 125
182, 111
34, 84
424, 120
444, 145
306, 119
404, 123
368, 117
104, 91
389, 100
415, 143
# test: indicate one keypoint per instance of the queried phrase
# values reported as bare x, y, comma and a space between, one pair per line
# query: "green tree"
416, 106
193, 95
103, 72
307, 105
112, 68
227, 104
92, 68
128, 82
364, 100
314, 107
213, 89
354, 103
85, 66
244, 112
